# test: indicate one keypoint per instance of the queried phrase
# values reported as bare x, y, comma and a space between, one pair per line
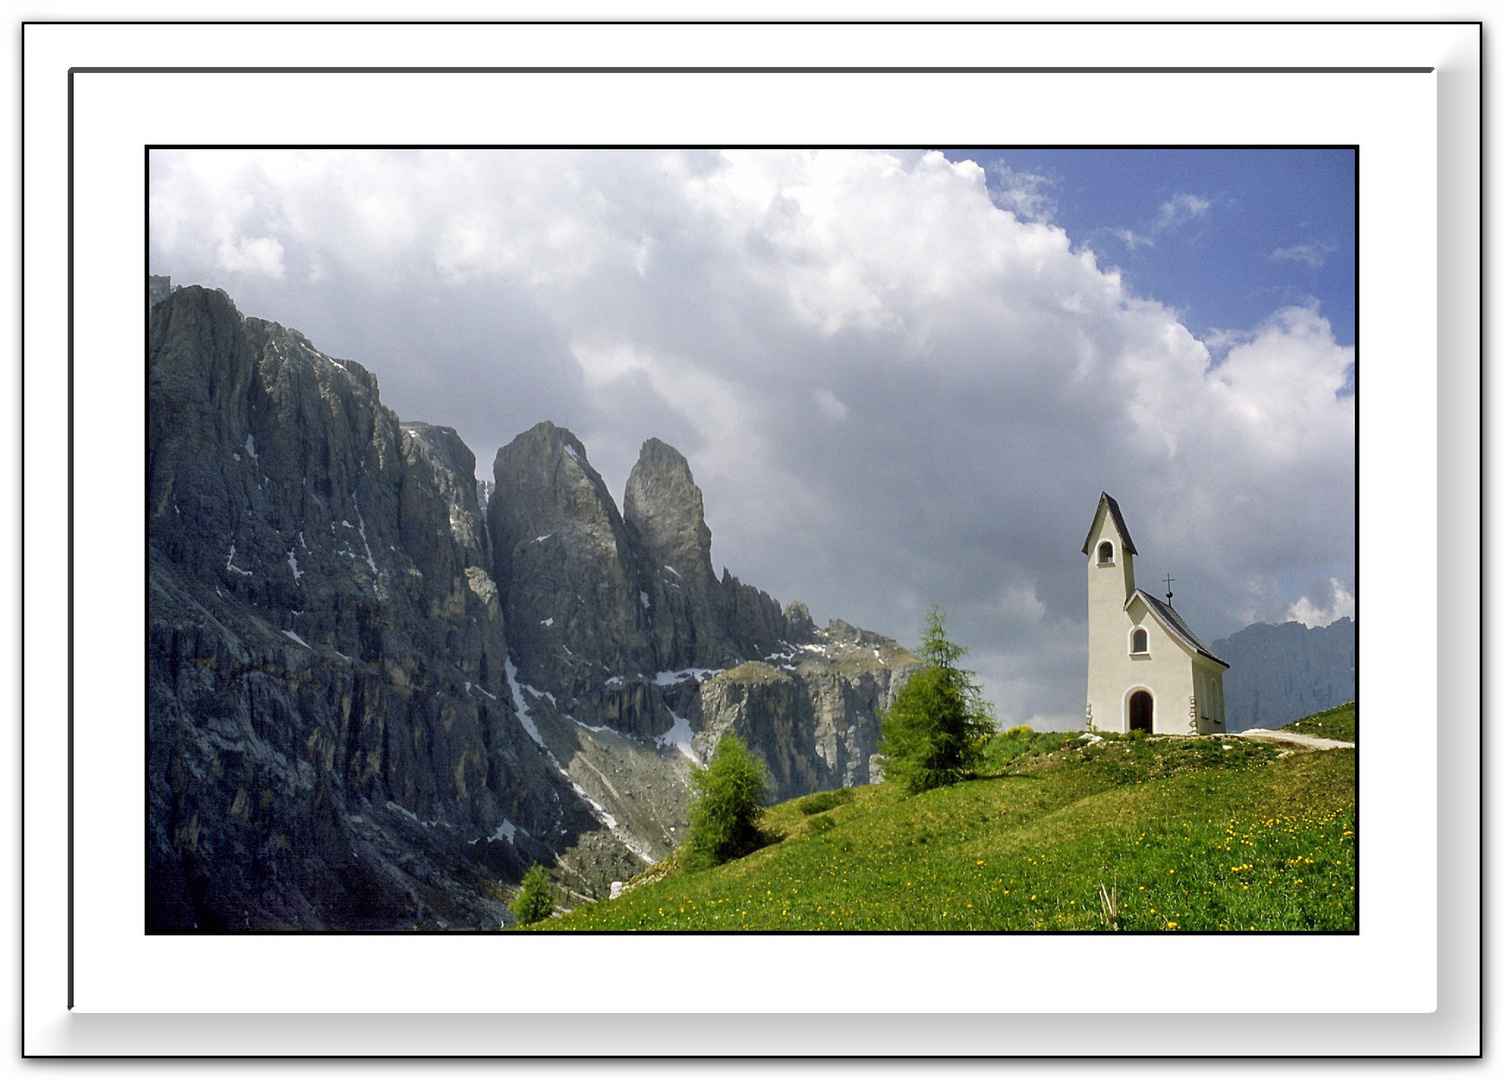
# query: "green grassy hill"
1145, 834
1340, 722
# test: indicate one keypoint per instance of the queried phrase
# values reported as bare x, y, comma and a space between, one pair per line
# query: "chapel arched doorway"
1141, 711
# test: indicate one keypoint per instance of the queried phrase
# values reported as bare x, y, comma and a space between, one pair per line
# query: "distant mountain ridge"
1282, 673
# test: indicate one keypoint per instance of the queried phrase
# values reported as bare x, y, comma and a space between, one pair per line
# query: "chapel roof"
1176, 625
1117, 520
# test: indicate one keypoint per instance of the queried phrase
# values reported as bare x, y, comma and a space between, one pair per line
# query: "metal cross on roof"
1169, 596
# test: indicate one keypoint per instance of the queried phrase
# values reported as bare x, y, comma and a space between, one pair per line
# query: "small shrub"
536, 900
1019, 729
821, 801
821, 824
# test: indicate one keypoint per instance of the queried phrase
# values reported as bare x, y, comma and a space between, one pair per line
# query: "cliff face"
1282, 673
812, 711
332, 740
666, 512
619, 627
567, 572
371, 699
611, 612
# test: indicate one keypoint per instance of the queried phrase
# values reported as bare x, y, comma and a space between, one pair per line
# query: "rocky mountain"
631, 658
371, 700
1282, 673
603, 607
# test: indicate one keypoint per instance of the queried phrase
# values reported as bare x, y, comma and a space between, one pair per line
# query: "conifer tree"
934, 731
729, 797
536, 900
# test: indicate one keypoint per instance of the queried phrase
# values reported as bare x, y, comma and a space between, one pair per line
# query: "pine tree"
536, 900
729, 797
934, 731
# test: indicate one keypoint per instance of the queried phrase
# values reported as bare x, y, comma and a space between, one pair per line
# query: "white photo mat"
1390, 967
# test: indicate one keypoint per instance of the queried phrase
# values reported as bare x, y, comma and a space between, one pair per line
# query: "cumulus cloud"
896, 386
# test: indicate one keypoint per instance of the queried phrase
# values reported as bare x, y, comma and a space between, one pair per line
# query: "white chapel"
1145, 670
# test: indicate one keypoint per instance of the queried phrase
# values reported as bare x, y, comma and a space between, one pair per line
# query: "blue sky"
901, 378
1223, 237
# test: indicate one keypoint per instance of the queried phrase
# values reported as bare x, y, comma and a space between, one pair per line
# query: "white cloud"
1313, 255
1132, 239
252, 254
1028, 196
712, 405
1172, 215
1341, 604
893, 392
1179, 209
1280, 393
1218, 341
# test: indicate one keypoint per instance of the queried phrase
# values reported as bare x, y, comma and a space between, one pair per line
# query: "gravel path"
1315, 742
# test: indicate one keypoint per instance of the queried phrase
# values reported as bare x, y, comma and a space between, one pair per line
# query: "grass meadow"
1054, 833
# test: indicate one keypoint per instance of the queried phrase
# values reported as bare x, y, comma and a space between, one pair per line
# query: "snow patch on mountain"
525, 715
669, 678
230, 564
680, 736
506, 832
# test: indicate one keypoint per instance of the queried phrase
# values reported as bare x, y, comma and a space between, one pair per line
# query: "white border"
121, 971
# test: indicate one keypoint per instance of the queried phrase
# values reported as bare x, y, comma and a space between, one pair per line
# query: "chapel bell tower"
1109, 565
1109, 555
